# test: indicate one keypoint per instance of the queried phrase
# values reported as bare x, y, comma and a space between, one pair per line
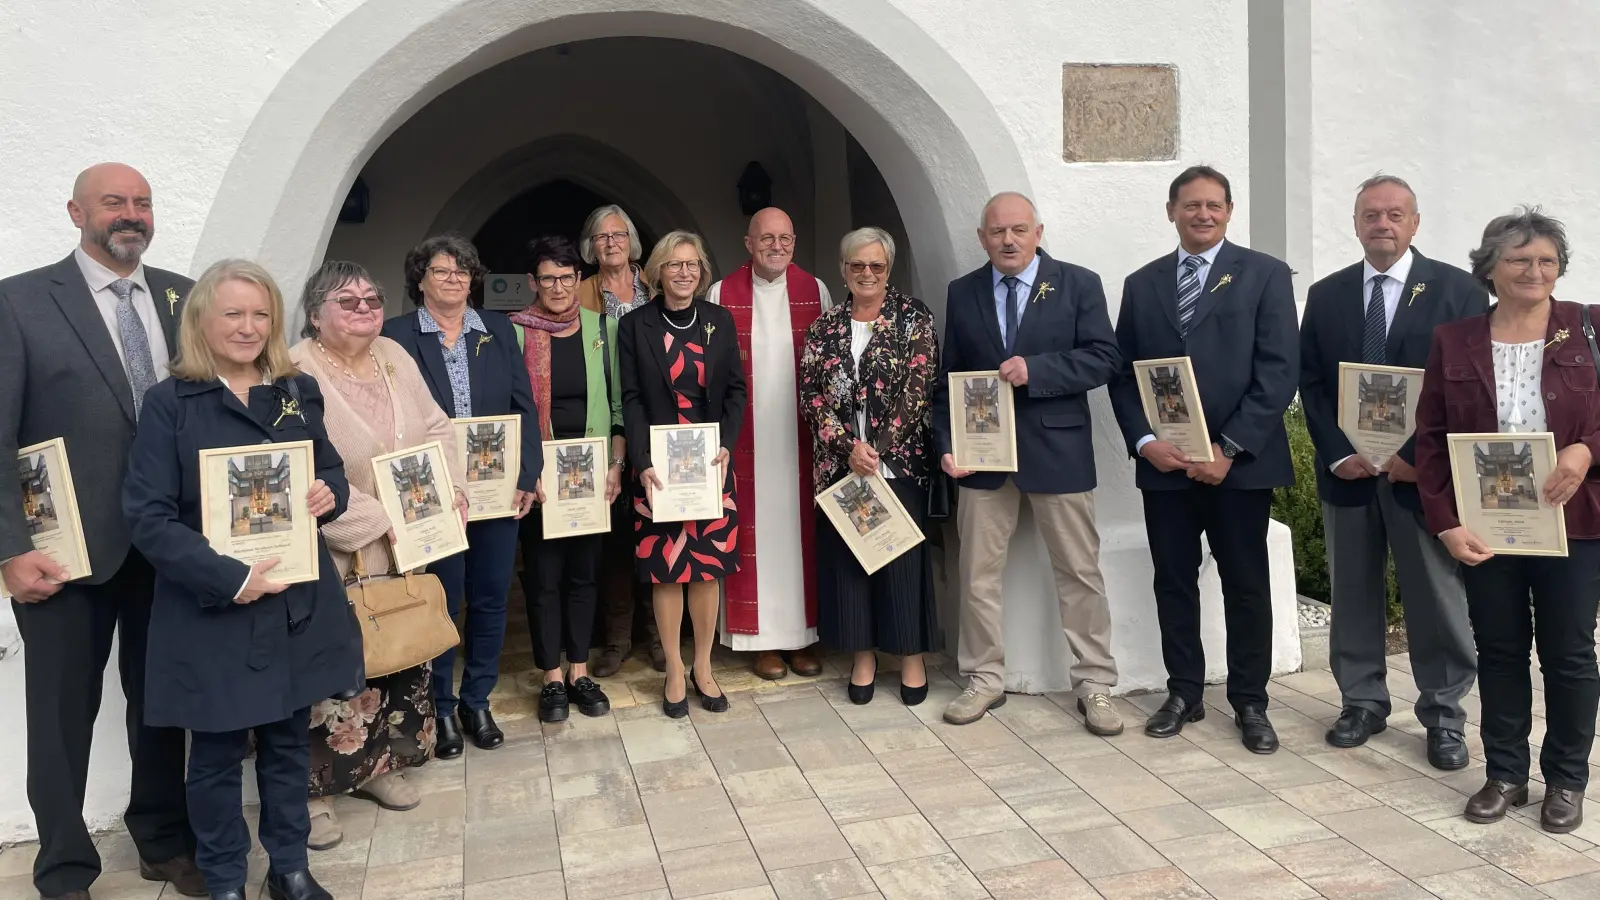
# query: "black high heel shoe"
911, 696
717, 704
675, 709
861, 694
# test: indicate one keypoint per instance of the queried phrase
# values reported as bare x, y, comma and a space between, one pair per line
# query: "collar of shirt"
99, 277
756, 279
1210, 256
1025, 278
470, 321
1400, 271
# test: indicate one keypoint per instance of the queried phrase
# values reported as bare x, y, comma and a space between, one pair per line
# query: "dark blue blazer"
496, 371
1066, 339
212, 664
1332, 331
1245, 346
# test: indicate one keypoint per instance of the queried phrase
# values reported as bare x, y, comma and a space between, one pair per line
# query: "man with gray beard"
80, 342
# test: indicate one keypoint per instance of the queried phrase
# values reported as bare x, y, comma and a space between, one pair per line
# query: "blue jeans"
482, 577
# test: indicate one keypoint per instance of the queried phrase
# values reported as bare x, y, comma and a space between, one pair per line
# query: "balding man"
80, 343
770, 605
1043, 324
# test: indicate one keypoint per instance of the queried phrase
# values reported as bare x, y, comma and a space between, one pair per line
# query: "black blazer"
1065, 337
1331, 332
1245, 348
496, 371
212, 664
647, 387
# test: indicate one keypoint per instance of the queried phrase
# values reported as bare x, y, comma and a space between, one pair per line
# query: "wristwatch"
1230, 449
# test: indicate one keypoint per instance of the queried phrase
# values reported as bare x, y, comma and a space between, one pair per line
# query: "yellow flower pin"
1223, 282
1416, 289
289, 408
172, 301
1045, 287
482, 339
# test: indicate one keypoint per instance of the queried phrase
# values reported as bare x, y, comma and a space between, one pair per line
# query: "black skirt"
890, 610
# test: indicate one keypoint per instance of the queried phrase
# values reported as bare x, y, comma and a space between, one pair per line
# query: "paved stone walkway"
796, 794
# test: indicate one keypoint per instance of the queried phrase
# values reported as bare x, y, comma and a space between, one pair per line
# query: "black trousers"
67, 643
216, 802
1560, 622
1234, 523
560, 585
892, 609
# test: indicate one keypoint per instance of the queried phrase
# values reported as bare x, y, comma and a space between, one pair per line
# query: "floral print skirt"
388, 726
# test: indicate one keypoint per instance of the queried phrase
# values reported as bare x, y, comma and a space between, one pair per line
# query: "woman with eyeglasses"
569, 353
865, 376
680, 365
375, 403
472, 367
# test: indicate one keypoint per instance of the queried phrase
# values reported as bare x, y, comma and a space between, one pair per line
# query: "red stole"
805, 305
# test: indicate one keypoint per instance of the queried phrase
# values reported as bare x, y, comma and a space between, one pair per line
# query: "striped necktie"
135, 343
1188, 291
1375, 339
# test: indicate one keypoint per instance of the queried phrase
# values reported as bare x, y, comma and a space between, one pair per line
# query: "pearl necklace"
692, 320
346, 369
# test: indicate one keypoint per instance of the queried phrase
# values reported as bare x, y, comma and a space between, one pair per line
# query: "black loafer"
1257, 732
590, 699
295, 886
229, 895
1172, 716
553, 702
480, 724
1355, 725
1447, 749
448, 744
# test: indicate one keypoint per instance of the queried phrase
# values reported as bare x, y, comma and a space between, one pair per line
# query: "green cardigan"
604, 418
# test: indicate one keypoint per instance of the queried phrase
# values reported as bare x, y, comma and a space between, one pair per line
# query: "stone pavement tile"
1218, 725
508, 848
18, 860
1168, 823
880, 841
1062, 811
986, 733
764, 892
608, 863
1339, 870
765, 786
875, 716
119, 854
962, 807
1403, 844
1302, 734
504, 800
1517, 848
1584, 887
1168, 757
124, 885
695, 817
679, 774
1167, 883
795, 833
1008, 753
1118, 783
806, 718
617, 809
1486, 883
734, 735
579, 729
1002, 850
1099, 852
1421, 798
18, 887
658, 738
1212, 789
1279, 770
830, 880
1325, 798
919, 879
436, 877
1026, 715
828, 752
506, 762
1049, 879
450, 804
545, 886
1073, 743
1408, 750
345, 864
587, 784
785, 693
751, 759
712, 869
570, 758
1020, 779
914, 766
1228, 867
915, 736
399, 842
857, 793
1271, 824
1362, 766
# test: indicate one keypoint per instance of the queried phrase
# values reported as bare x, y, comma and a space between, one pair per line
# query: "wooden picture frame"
1171, 400
50, 508
1499, 484
684, 458
491, 450
415, 489
983, 422
1378, 408
575, 488
870, 519
253, 506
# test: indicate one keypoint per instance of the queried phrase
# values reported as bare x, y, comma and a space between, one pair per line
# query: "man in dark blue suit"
1231, 311
1042, 324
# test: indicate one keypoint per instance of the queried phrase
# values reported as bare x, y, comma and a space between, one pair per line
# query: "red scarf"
805, 305
538, 324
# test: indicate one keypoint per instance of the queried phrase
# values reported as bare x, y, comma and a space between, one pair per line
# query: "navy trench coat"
214, 665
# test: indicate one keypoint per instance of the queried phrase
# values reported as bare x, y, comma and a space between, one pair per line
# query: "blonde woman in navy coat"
232, 652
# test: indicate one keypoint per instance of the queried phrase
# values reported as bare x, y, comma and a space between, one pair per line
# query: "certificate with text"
1378, 408
684, 458
575, 488
50, 508
1171, 400
983, 424
415, 490
253, 507
492, 446
1499, 481
868, 515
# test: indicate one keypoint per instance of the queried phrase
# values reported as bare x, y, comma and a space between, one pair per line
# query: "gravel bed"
1313, 615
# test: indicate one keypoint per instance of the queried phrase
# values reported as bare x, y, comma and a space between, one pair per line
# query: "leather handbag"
404, 618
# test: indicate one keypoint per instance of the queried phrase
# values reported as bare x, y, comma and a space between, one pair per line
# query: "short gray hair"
329, 277
1381, 178
983, 216
851, 243
1517, 230
592, 225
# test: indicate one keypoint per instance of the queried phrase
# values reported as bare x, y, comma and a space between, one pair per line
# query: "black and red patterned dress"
681, 552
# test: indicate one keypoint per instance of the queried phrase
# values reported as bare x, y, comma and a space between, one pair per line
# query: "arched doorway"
555, 208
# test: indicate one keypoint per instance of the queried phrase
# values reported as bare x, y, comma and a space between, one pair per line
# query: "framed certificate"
50, 508
869, 517
253, 506
493, 449
415, 490
684, 457
1377, 408
575, 488
983, 432
1172, 404
1499, 481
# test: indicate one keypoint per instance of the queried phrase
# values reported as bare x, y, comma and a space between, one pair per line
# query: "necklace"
675, 325
346, 369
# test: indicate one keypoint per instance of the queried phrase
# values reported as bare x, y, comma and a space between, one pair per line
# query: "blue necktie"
135, 343
1010, 281
1375, 339
1188, 291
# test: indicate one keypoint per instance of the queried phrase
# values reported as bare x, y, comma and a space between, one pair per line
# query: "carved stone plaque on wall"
1114, 113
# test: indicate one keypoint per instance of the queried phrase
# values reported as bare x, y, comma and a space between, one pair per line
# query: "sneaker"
1099, 716
590, 699
553, 702
971, 705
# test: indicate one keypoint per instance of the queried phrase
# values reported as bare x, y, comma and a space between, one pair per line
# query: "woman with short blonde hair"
195, 360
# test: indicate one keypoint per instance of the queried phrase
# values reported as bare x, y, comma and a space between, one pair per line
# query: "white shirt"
1518, 374
1392, 286
1207, 258
99, 278
1025, 280
860, 337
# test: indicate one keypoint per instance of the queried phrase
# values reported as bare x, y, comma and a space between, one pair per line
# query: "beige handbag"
404, 618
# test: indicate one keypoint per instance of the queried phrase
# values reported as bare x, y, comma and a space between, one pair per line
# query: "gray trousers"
1443, 659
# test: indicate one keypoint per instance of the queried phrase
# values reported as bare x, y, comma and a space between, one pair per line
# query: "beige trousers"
986, 520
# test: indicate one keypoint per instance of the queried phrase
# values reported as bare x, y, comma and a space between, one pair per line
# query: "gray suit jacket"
62, 377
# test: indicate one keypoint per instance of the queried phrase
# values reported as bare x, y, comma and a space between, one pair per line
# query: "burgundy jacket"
1458, 396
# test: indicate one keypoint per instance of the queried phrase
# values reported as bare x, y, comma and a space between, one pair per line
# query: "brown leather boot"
769, 665
1562, 811
180, 872
1494, 800
804, 662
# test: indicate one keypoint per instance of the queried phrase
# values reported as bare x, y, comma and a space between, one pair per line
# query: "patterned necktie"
135, 343
1010, 281
1375, 338
1188, 291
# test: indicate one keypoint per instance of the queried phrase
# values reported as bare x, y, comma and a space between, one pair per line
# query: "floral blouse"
892, 384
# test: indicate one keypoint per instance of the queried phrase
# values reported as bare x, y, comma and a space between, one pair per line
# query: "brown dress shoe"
69, 895
769, 665
1562, 811
180, 872
610, 660
1494, 800
804, 662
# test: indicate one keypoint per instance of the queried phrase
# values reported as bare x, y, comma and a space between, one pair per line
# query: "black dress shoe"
448, 744
295, 886
229, 895
480, 724
553, 704
861, 694
1355, 725
1172, 716
590, 699
911, 696
1258, 736
1495, 799
717, 704
675, 709
1447, 749
1562, 810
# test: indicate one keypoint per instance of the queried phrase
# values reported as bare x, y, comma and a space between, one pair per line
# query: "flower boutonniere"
1560, 335
1045, 287
1416, 289
482, 339
710, 330
288, 408
1223, 282
598, 343
172, 301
